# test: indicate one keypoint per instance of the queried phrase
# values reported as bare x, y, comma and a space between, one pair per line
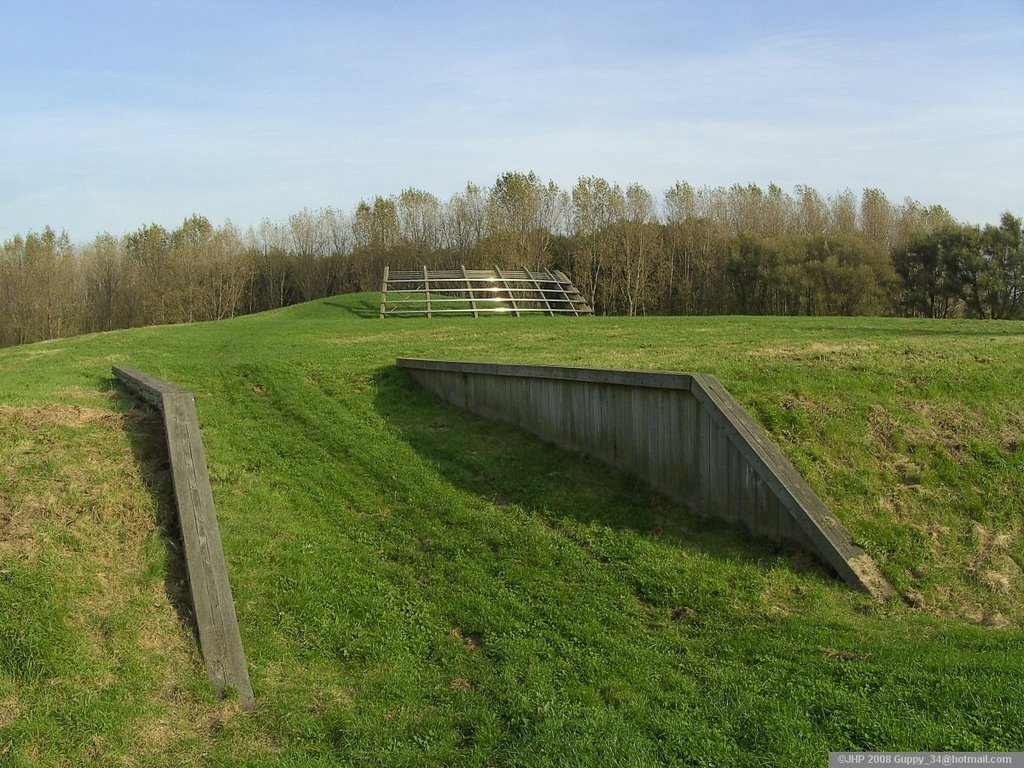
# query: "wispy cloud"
246, 111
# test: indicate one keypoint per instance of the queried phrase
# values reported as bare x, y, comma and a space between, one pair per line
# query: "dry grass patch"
993, 566
84, 489
62, 415
939, 460
10, 710
814, 350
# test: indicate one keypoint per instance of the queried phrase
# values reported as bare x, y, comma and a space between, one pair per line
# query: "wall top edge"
650, 379
139, 378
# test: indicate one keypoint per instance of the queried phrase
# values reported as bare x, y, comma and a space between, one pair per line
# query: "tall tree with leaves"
377, 234
931, 278
522, 216
148, 255
1003, 288
751, 271
593, 208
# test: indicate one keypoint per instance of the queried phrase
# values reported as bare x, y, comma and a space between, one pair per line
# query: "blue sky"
116, 114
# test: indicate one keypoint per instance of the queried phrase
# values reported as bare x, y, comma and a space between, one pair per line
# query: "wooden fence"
476, 292
219, 637
682, 433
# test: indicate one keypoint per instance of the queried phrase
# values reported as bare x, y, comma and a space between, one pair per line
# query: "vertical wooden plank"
426, 288
720, 477
508, 290
556, 281
704, 450
774, 510
757, 522
469, 287
384, 292
688, 463
659, 447
748, 497
540, 291
578, 297
785, 529
733, 483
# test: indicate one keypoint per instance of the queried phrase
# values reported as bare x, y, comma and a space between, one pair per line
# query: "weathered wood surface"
469, 289
683, 433
384, 292
508, 290
540, 291
438, 292
214, 606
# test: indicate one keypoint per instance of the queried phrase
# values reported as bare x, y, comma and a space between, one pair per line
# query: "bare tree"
463, 225
594, 206
273, 264
639, 246
106, 281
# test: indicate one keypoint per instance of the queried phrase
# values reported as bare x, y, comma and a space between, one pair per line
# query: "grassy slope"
417, 586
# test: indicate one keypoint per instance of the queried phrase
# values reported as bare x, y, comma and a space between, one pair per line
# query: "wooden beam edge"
830, 536
832, 540
216, 618
649, 379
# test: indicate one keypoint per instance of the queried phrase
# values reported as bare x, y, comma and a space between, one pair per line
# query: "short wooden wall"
204, 556
683, 433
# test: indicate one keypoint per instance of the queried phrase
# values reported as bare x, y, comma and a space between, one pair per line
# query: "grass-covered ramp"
417, 586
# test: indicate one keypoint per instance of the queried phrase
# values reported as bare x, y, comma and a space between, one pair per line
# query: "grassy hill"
416, 586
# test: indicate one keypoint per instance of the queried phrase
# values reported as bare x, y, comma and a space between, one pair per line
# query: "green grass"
416, 586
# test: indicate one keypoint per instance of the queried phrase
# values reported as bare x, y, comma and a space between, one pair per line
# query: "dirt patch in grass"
1011, 434
947, 428
872, 577
794, 401
993, 565
926, 425
955, 532
10, 711
15, 535
471, 641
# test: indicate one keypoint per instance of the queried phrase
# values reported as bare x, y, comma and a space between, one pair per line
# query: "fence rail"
214, 606
479, 291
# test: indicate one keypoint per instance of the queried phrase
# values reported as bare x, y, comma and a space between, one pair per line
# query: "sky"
118, 114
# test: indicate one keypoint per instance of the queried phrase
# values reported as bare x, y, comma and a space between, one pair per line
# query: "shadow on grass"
145, 430
369, 308
509, 466
364, 307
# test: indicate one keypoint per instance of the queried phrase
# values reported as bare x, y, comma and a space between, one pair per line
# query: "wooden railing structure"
682, 433
476, 292
214, 606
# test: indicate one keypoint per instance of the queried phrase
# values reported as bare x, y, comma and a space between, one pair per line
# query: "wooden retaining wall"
219, 637
683, 433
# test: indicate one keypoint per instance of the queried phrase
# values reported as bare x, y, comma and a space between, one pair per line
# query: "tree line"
735, 250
